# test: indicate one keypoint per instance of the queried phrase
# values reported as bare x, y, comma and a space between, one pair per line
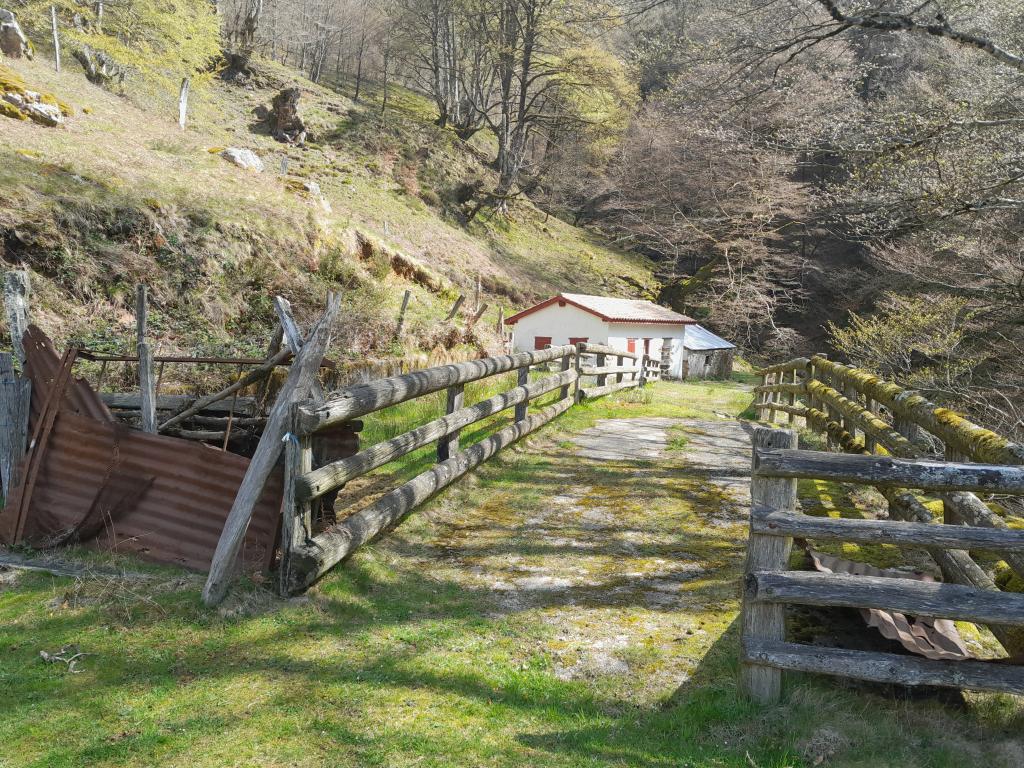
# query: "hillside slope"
120, 195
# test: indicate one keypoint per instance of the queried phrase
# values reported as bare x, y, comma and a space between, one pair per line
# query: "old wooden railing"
768, 586
306, 557
893, 436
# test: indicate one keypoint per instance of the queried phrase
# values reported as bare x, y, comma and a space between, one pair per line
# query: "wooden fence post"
522, 379
792, 396
566, 365
455, 307
767, 621
296, 518
448, 446
401, 313
183, 92
16, 300
618, 364
15, 398
56, 38
147, 385
578, 394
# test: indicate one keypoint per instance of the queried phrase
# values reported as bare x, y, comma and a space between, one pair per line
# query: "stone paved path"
627, 546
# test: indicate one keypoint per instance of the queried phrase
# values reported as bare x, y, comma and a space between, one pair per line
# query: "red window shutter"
631, 345
579, 339
540, 342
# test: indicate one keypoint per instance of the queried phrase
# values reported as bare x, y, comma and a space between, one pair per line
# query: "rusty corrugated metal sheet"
932, 638
42, 363
177, 518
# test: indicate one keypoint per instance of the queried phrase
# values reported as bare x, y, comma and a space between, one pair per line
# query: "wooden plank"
353, 402
40, 439
251, 377
591, 348
332, 546
784, 523
297, 387
918, 598
885, 471
130, 401
797, 364
330, 476
588, 370
888, 668
589, 393
767, 553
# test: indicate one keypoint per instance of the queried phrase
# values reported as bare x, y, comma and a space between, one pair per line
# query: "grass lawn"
547, 611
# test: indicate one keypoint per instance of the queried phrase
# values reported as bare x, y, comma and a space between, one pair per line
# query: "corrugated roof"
698, 337
612, 310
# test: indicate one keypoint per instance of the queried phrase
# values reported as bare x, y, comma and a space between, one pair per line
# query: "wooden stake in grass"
186, 87
147, 387
56, 38
401, 314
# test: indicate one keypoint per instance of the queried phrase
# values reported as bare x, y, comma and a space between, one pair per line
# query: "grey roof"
626, 310
698, 337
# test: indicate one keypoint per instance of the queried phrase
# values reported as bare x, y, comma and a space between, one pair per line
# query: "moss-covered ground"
549, 610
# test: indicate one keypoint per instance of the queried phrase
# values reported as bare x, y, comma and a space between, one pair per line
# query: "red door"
631, 345
541, 342
647, 346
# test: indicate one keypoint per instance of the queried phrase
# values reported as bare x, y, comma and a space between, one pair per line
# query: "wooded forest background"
806, 173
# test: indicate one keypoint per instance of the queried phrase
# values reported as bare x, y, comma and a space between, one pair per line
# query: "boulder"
285, 123
243, 158
13, 42
31, 105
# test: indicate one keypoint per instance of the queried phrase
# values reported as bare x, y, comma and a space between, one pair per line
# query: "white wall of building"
561, 324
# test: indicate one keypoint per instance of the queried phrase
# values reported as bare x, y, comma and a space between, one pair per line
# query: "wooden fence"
895, 438
306, 557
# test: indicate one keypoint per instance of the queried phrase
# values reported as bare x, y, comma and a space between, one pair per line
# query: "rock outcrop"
13, 42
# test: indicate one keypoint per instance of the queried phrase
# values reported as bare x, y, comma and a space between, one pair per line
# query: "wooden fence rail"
768, 587
306, 557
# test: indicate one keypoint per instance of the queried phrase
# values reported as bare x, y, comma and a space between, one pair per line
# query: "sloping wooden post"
766, 621
147, 385
16, 301
401, 313
297, 387
455, 307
